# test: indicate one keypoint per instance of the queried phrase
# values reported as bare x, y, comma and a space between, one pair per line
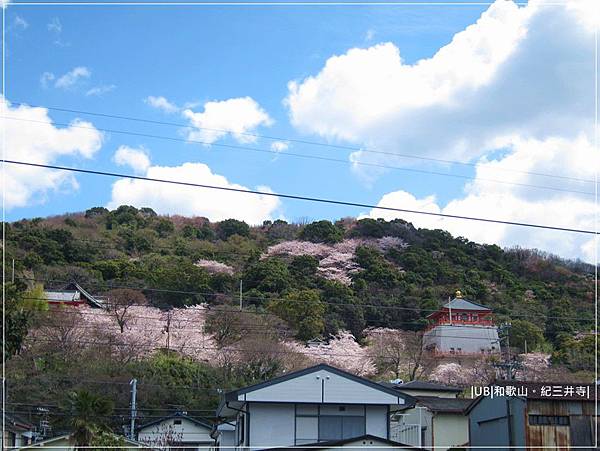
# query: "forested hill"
351, 274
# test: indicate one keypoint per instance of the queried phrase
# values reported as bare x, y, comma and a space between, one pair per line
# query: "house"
177, 431
316, 406
423, 388
433, 423
461, 327
351, 444
17, 432
532, 414
73, 294
67, 443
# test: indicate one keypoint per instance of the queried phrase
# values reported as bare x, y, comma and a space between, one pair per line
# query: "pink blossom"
215, 267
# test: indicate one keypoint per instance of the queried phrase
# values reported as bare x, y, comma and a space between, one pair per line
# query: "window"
474, 317
464, 317
548, 420
316, 423
176, 421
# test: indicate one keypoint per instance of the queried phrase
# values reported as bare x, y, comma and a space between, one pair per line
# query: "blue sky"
194, 55
197, 54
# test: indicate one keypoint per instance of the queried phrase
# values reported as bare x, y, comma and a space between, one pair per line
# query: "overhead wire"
294, 140
300, 197
297, 155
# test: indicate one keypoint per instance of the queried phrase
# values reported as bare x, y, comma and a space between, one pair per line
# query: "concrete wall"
469, 339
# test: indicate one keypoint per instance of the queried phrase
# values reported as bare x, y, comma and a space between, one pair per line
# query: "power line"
300, 197
313, 157
233, 296
299, 141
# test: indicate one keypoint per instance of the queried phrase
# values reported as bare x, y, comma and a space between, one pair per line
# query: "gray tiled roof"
436, 404
463, 304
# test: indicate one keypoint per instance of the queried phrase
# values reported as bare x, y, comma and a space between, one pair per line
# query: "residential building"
535, 415
73, 294
17, 432
461, 327
433, 423
67, 443
316, 406
178, 431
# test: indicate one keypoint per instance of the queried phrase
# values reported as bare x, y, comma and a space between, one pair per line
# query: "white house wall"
271, 425
321, 386
188, 431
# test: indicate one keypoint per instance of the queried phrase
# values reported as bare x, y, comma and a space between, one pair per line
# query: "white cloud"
517, 70
72, 77
46, 78
238, 115
280, 146
54, 26
100, 90
517, 203
161, 103
518, 82
19, 22
136, 159
43, 144
174, 199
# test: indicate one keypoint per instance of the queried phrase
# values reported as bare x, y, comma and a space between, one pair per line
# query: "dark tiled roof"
449, 405
422, 385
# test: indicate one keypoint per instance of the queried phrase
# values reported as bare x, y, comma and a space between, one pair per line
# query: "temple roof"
463, 304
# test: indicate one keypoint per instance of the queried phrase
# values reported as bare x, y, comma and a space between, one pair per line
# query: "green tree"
17, 319
322, 232
269, 275
87, 413
522, 332
303, 310
230, 227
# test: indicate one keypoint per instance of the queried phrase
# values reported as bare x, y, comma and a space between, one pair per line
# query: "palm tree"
88, 411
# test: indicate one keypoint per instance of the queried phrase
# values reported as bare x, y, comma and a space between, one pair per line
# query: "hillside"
355, 269
364, 286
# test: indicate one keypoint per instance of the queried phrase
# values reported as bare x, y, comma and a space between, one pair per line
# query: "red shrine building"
461, 327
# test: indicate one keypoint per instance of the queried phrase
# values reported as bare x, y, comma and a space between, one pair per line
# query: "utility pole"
133, 384
167, 329
241, 302
13, 270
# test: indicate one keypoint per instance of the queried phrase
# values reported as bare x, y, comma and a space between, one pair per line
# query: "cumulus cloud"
136, 159
174, 199
238, 115
72, 77
517, 83
280, 146
44, 144
516, 203
161, 103
517, 70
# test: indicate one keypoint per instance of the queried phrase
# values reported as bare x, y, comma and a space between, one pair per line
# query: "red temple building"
461, 327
